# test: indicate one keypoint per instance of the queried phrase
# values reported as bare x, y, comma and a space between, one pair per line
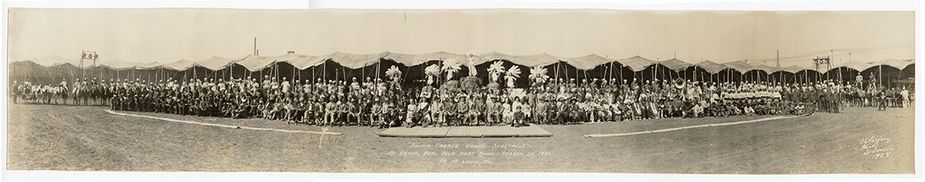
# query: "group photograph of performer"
443, 97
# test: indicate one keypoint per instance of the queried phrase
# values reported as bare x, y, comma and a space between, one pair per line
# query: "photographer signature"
876, 147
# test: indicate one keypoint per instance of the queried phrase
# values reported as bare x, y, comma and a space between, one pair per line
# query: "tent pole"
805, 76
669, 74
880, 75
741, 75
440, 76
378, 68
726, 75
701, 77
586, 73
620, 70
557, 69
655, 73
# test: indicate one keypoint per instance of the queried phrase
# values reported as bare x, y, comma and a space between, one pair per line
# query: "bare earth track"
43, 137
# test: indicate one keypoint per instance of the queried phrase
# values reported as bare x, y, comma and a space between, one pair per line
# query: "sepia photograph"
465, 90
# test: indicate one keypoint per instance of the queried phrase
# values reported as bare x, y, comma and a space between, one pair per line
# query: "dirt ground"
859, 140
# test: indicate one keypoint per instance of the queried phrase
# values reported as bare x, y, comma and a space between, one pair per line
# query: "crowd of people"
374, 102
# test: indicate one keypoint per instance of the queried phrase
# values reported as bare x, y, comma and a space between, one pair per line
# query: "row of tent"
356, 61
344, 65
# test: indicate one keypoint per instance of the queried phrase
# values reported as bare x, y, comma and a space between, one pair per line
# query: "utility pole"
822, 60
781, 77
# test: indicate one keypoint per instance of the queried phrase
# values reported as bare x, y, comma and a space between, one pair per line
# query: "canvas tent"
340, 65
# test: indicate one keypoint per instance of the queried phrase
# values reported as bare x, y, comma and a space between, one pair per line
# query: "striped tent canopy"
710, 66
857, 65
356, 61
636, 63
439, 56
119, 65
587, 62
740, 66
404, 59
214, 63
582, 66
898, 63
255, 63
675, 64
153, 65
300, 61
542, 59
53, 60
795, 69
765, 68
181, 64
412, 60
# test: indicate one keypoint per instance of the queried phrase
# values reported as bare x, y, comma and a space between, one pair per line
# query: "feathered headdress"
511, 75
538, 75
393, 73
450, 67
432, 72
495, 70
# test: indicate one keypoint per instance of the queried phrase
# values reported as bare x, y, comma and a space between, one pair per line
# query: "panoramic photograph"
422, 91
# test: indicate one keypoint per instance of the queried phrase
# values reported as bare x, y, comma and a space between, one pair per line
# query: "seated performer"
409, 116
518, 117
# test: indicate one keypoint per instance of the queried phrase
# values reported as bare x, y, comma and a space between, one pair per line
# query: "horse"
79, 93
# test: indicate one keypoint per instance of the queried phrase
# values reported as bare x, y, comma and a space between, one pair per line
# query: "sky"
168, 35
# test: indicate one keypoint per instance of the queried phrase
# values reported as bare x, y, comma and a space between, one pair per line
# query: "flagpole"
781, 77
